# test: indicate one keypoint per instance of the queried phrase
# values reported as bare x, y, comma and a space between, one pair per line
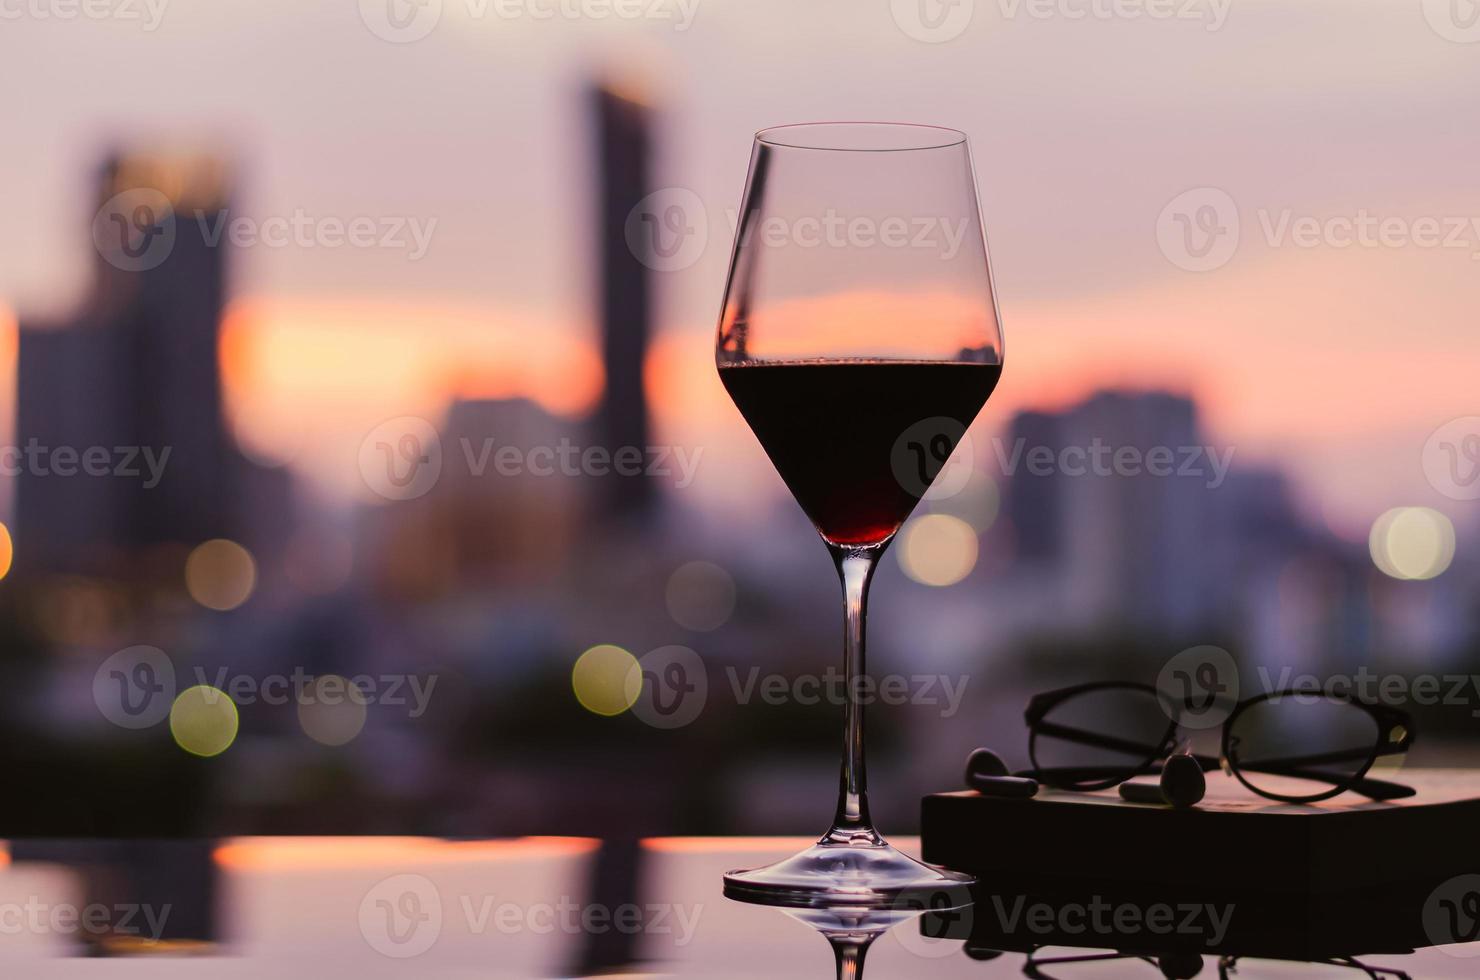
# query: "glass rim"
861, 137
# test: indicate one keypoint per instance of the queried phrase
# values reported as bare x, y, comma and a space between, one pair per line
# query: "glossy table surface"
325, 908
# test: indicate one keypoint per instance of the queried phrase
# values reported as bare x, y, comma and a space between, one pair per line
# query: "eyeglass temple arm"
1302, 767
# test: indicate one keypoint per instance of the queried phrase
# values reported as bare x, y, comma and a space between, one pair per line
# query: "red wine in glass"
833, 430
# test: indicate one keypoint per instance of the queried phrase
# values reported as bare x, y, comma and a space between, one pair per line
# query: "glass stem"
849, 954
852, 824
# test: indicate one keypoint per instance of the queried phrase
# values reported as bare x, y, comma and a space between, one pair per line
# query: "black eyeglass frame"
1394, 736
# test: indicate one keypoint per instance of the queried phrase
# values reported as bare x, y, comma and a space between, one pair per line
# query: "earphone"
988, 775
1182, 784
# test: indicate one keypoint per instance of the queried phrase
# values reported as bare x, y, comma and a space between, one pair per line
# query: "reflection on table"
378, 907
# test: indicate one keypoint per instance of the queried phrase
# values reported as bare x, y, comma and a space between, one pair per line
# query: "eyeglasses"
1046, 964
1298, 745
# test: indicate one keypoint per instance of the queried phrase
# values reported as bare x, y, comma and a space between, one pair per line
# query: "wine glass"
858, 337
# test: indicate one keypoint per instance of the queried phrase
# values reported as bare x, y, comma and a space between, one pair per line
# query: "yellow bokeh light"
203, 720
937, 549
599, 680
220, 574
7, 551
1412, 543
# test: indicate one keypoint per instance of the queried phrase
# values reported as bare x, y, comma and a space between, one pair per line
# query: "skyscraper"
622, 144
134, 379
1127, 546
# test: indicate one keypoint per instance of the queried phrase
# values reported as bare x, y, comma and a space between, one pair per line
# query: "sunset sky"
1336, 362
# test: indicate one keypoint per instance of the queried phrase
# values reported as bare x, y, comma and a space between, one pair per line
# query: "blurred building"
504, 512
1034, 504
1127, 548
622, 156
496, 520
120, 408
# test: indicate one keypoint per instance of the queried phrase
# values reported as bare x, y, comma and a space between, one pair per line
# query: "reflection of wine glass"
859, 338
851, 931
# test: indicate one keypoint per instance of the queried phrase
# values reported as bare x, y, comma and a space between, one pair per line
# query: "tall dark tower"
622, 146
136, 368
171, 367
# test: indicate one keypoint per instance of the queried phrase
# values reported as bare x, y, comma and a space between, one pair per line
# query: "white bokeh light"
1412, 543
937, 549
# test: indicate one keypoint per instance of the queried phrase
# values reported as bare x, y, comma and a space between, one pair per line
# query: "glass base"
836, 875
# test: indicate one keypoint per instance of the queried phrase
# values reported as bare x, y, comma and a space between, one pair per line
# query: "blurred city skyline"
1332, 362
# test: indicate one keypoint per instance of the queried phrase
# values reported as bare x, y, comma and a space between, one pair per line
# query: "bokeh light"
937, 549
204, 720
7, 551
1412, 543
332, 711
220, 574
599, 680
701, 596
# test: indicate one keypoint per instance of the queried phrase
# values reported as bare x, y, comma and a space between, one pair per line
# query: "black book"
1244, 875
